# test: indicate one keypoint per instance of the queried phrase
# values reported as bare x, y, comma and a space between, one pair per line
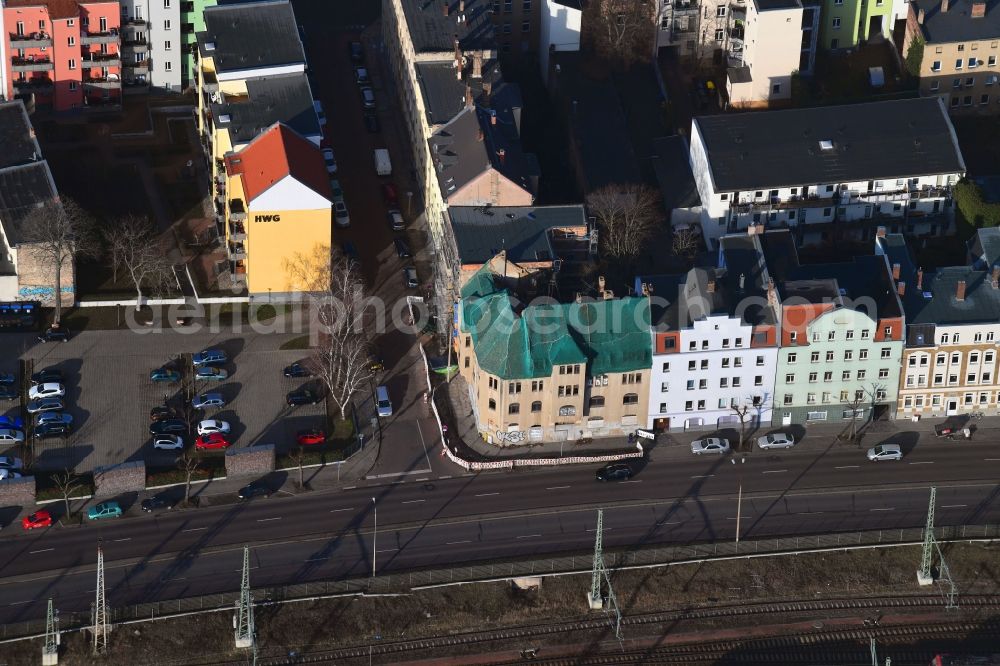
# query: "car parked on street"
402, 249
168, 427
311, 437
104, 510
6, 474
330, 160
410, 277
8, 378
209, 357
9, 462
157, 503
206, 400
215, 440
255, 489
47, 376
368, 97
320, 114
211, 374
302, 396
164, 374
54, 334
372, 124
338, 191
160, 412
168, 442
44, 405
396, 221
296, 370
49, 390
389, 195
356, 51
209, 426
8, 392
15, 422
885, 452
10, 436
710, 445
614, 472
776, 440
36, 520
53, 417
50, 430
340, 214
361, 76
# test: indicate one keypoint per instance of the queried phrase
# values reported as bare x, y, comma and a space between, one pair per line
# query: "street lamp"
374, 535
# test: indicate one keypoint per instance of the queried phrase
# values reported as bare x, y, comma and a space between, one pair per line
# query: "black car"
54, 334
402, 249
614, 472
168, 427
255, 489
47, 376
50, 430
297, 370
357, 52
161, 412
8, 392
303, 396
372, 124
156, 503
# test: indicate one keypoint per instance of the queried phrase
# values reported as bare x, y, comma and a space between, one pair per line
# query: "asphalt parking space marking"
455, 543
530, 536
194, 529
557, 487
774, 471
416, 501
953, 506
350, 508
264, 520
891, 508
923, 462
486, 494
43, 550
847, 466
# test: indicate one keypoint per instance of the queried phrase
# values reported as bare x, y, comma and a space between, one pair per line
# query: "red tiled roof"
275, 154
58, 9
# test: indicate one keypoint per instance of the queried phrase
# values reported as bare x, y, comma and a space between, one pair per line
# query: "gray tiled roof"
285, 99
874, 140
432, 31
482, 231
444, 94
25, 179
956, 24
985, 248
251, 35
672, 166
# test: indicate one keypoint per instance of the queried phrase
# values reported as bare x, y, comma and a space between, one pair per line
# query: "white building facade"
152, 45
771, 51
559, 31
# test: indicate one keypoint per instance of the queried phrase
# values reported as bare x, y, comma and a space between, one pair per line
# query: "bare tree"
188, 463
875, 391
686, 242
56, 232
745, 413
136, 248
67, 482
620, 31
854, 404
299, 456
627, 215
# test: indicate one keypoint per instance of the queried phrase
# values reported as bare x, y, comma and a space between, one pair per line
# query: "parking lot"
109, 393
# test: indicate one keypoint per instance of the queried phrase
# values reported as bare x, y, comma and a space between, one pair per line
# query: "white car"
9, 474
331, 161
46, 391
210, 426
778, 440
10, 436
710, 445
340, 214
885, 452
168, 442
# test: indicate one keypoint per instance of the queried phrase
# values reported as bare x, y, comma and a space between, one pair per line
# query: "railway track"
524, 635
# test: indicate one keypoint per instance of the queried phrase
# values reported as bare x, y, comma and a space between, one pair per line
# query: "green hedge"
972, 210
179, 476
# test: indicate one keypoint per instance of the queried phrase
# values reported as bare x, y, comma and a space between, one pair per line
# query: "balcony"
135, 44
39, 84
236, 251
31, 64
137, 67
187, 7
34, 40
135, 24
107, 37
796, 202
237, 231
110, 82
209, 81
237, 211
685, 7
102, 60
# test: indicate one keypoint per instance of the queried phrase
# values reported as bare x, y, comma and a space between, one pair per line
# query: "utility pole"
924, 574
50, 651
374, 535
99, 613
243, 621
594, 599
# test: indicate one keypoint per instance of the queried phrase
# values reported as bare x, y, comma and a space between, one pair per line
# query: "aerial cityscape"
451, 332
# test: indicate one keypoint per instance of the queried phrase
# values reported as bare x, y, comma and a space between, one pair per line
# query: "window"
690, 385
739, 342
596, 402
514, 387
862, 373
72, 63
692, 365
631, 399
956, 358
935, 401
845, 375
720, 10
974, 357
952, 379
536, 406
736, 382
758, 380
72, 88
70, 22
938, 379
704, 344
984, 99
537, 385
567, 410
166, 4
693, 345
970, 378
814, 357
792, 336
810, 398
103, 24
812, 377
492, 404
827, 376
688, 406
912, 361
738, 362
720, 35
725, 343
166, 24
967, 100
886, 352
958, 63
829, 356
989, 337
789, 378
972, 63
849, 355
702, 384
988, 357
704, 364
701, 404
984, 398
514, 408
836, 23
862, 354
663, 407
825, 397
71, 41
566, 391
166, 45
664, 387
724, 382
725, 362
865, 333
991, 61
935, 85
508, 5
883, 373
525, 26
776, 89
506, 28
666, 367
792, 357
760, 361
627, 378
787, 399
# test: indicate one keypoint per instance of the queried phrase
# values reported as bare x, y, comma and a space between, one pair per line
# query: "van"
382, 401
383, 165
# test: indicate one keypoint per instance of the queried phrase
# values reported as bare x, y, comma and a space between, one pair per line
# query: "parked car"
320, 115
161, 412
361, 76
402, 249
303, 396
54, 334
389, 195
215, 440
255, 489
296, 370
206, 400
338, 191
8, 392
777, 440
49, 430
168, 427
15, 422
209, 426
410, 277
11, 436
157, 503
8, 378
614, 472
372, 124
53, 417
9, 462
50, 390
168, 442
164, 374
211, 374
44, 405
356, 51
340, 214
40, 518
104, 510
396, 221
47, 376
710, 445
6, 474
331, 161
885, 452
311, 436
209, 357
368, 97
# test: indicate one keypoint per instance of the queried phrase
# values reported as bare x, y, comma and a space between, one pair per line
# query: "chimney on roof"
645, 289
895, 271
920, 17
710, 287
487, 91
901, 288
920, 279
458, 60
444, 8
468, 96
772, 294
600, 283
944, 6
493, 117
477, 65
880, 232
502, 154
960, 290
461, 5
479, 135
978, 9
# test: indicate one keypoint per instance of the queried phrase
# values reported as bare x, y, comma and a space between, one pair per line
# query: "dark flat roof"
285, 99
444, 94
432, 31
252, 35
481, 232
956, 24
874, 140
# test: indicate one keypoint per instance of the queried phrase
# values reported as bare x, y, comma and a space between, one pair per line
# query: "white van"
382, 402
383, 165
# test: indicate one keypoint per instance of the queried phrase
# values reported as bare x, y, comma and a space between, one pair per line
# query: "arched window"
631, 399
567, 410
536, 406
514, 408
493, 404
596, 401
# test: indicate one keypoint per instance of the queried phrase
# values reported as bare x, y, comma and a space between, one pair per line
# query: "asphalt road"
677, 499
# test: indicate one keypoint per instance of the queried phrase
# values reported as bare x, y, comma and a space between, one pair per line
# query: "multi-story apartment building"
25, 183
192, 20
766, 45
517, 25
559, 30
950, 363
714, 342
552, 371
846, 23
281, 180
63, 52
828, 172
841, 339
960, 51
152, 46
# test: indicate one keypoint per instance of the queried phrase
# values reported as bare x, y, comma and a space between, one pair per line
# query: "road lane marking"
669, 522
486, 494
453, 543
125, 539
43, 550
557, 487
19, 603
446, 476
953, 506
923, 462
809, 513
387, 550
529, 536
349, 487
194, 529
633, 481
891, 508
264, 520
350, 508
414, 501
594, 529
702, 476
992, 459
847, 466
774, 471
317, 559
426, 478
740, 518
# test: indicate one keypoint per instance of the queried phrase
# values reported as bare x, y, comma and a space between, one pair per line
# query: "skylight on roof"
825, 144
225, 118
209, 46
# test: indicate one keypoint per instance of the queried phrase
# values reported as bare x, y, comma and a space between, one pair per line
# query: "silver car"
50, 390
168, 442
210, 426
885, 452
778, 440
710, 445
11, 436
45, 405
208, 400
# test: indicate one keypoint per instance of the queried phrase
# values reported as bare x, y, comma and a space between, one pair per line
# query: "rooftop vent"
209, 46
225, 118
825, 144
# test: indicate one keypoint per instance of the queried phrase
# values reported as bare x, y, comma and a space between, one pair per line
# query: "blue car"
209, 357
164, 375
53, 417
210, 373
16, 423
104, 510
7, 378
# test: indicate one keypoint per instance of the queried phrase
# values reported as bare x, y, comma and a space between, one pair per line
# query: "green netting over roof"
517, 342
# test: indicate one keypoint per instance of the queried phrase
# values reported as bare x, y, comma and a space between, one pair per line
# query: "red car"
314, 436
215, 440
389, 195
38, 519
